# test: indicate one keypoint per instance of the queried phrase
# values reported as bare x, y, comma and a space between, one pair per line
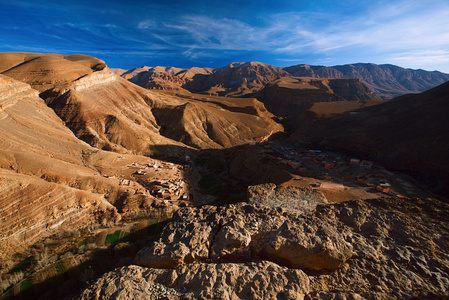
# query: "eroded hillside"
111, 113
36, 148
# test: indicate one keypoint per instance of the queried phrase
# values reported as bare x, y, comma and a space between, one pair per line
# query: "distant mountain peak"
244, 78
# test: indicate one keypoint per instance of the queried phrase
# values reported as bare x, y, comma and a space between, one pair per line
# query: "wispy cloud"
383, 29
409, 32
406, 25
431, 59
147, 24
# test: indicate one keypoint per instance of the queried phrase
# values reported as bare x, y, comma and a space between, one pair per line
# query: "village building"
294, 165
164, 194
354, 161
316, 185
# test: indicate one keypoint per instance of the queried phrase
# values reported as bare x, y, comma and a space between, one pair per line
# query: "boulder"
243, 233
308, 246
232, 281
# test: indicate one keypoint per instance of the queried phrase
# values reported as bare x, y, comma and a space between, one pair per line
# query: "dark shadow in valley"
69, 283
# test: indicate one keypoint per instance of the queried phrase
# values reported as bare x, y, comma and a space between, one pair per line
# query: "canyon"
246, 181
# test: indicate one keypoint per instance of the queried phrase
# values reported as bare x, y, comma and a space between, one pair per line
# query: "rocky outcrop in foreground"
258, 280
243, 233
294, 199
390, 248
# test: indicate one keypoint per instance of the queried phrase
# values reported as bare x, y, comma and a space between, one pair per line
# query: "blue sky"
131, 33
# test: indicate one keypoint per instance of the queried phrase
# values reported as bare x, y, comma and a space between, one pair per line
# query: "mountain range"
246, 78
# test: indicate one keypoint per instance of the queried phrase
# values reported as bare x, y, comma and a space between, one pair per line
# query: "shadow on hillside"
68, 283
225, 174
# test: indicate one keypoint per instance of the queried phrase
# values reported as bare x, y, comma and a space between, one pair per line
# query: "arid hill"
111, 113
289, 96
46, 182
163, 78
237, 79
387, 81
408, 133
43, 71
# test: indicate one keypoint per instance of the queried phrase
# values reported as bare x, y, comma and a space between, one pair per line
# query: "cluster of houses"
166, 189
328, 162
173, 189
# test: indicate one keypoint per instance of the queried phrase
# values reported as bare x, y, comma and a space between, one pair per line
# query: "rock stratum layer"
111, 113
45, 181
388, 248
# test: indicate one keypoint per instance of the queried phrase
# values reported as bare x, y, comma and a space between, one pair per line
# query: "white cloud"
147, 24
403, 25
433, 60
403, 30
208, 33
389, 28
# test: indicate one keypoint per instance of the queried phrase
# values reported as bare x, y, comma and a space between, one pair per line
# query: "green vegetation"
116, 236
24, 265
26, 284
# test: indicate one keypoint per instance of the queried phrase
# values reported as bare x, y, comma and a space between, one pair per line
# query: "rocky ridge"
257, 280
242, 233
386, 80
388, 248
